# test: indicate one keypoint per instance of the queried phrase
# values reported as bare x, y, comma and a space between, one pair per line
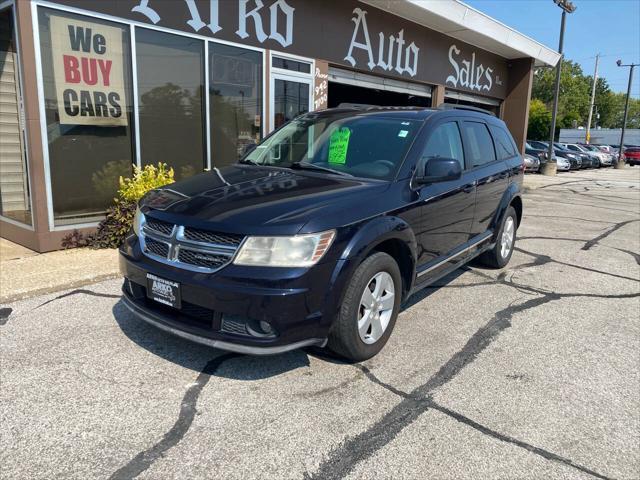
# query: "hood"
255, 200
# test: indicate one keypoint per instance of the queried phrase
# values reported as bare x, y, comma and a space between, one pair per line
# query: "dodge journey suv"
320, 232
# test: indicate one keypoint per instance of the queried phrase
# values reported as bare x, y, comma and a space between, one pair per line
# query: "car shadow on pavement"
194, 356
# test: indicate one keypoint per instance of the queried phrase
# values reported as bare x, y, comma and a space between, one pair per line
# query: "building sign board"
343, 32
88, 72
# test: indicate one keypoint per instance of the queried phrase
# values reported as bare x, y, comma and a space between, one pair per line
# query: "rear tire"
501, 253
369, 309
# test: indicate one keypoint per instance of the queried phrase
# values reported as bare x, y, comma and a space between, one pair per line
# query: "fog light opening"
262, 329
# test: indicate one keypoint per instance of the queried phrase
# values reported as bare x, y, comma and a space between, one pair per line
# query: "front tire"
501, 253
369, 309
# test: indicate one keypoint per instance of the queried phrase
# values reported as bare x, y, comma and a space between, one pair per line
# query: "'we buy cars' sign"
88, 71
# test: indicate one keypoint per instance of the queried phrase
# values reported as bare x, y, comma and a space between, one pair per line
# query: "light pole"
620, 163
550, 167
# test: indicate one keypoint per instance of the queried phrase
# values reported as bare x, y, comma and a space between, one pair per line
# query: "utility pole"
593, 99
550, 167
620, 163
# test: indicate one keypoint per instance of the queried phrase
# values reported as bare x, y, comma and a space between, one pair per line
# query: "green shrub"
143, 180
117, 223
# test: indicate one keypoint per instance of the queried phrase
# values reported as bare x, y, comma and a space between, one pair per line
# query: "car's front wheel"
369, 309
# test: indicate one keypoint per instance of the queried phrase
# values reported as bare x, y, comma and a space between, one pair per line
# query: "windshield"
370, 146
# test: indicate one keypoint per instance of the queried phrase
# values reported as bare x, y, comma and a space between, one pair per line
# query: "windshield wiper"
312, 166
246, 161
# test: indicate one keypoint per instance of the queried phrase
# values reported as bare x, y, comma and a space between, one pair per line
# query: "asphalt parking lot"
528, 372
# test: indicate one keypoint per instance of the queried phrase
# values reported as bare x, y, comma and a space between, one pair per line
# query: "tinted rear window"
505, 147
478, 143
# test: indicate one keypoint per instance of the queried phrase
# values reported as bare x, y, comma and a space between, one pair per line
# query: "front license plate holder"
161, 290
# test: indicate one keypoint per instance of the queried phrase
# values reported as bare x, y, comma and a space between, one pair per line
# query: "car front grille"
154, 247
158, 226
202, 259
187, 247
197, 235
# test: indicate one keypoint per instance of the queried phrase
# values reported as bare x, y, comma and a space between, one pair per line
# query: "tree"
574, 100
539, 120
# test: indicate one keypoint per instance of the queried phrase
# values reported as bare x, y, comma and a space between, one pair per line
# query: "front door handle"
468, 188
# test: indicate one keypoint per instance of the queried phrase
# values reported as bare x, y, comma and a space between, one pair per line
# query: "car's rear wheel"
501, 253
369, 309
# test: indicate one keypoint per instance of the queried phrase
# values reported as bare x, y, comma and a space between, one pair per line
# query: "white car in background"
563, 164
606, 159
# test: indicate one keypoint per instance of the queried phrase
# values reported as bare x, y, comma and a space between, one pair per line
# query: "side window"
479, 144
445, 142
504, 146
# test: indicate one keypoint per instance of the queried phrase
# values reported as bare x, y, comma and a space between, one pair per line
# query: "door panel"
492, 181
447, 207
446, 217
491, 176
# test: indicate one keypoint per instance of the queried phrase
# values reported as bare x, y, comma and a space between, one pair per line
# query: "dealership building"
89, 88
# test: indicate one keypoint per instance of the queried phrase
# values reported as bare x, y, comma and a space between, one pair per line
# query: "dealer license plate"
163, 291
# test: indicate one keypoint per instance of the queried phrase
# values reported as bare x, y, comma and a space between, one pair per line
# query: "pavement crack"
514, 441
146, 458
369, 374
608, 232
343, 459
5, 313
79, 291
540, 259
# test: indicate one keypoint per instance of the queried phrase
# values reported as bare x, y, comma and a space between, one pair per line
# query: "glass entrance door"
290, 99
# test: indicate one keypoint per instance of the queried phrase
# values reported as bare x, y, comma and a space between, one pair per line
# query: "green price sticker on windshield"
338, 145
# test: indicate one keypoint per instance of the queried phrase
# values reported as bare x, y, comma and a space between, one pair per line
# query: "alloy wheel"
376, 307
508, 233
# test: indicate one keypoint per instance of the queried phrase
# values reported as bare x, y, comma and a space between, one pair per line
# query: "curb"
57, 288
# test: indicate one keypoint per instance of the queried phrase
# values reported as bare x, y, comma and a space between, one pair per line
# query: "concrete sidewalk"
25, 273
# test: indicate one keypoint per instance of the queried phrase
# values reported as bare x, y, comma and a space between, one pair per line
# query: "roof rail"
453, 106
357, 105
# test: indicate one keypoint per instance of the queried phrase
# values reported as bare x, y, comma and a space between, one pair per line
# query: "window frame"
11, 5
132, 24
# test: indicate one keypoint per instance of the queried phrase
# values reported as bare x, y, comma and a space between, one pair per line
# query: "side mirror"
440, 169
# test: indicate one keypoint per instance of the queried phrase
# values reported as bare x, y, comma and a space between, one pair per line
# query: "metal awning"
467, 97
364, 80
458, 20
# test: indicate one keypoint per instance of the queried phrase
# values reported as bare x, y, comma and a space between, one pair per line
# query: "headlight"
138, 221
295, 251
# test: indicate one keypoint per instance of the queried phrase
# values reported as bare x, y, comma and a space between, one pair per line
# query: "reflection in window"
290, 100
235, 86
14, 182
89, 115
170, 72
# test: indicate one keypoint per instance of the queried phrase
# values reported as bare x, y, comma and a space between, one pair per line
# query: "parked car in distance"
632, 155
573, 159
605, 158
563, 164
588, 159
531, 163
319, 233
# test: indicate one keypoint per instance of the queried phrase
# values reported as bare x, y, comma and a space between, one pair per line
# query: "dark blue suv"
320, 232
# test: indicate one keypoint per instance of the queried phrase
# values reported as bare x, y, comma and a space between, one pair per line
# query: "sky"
608, 27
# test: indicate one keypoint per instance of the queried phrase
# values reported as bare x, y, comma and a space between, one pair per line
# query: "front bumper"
222, 309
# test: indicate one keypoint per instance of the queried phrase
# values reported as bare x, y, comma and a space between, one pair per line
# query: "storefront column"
515, 108
437, 96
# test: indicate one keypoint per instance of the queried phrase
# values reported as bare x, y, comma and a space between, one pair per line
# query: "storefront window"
235, 86
170, 70
14, 180
86, 69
